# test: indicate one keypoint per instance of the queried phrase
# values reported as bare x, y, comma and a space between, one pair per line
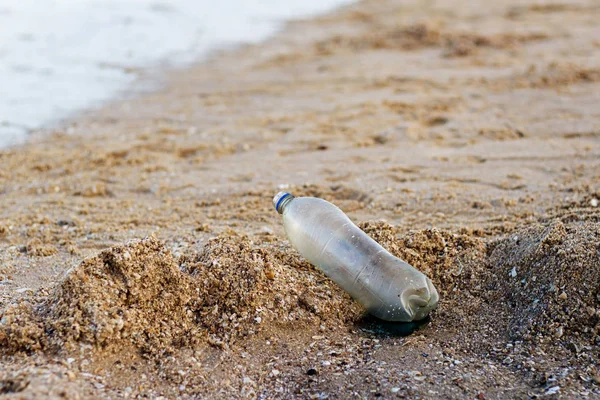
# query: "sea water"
61, 56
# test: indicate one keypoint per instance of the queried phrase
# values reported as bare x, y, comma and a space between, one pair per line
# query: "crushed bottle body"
388, 287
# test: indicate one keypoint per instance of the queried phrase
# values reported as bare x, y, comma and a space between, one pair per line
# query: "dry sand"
140, 255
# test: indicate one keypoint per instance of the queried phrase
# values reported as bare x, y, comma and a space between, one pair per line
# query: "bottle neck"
284, 202
281, 200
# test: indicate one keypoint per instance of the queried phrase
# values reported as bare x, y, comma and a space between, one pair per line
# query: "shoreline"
464, 140
82, 81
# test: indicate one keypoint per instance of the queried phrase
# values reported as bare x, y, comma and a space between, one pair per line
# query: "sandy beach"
140, 254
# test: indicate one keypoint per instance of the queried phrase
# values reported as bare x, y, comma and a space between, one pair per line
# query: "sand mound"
132, 293
537, 283
549, 279
139, 294
246, 285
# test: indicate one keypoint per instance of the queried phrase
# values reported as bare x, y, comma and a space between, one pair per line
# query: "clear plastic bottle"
388, 287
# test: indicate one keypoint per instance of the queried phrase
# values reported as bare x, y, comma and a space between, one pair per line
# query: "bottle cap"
279, 200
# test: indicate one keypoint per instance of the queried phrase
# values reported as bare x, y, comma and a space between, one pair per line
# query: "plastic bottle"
388, 287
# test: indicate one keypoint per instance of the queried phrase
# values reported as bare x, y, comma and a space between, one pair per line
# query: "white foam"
61, 56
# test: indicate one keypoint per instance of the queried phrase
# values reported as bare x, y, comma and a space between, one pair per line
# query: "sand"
140, 254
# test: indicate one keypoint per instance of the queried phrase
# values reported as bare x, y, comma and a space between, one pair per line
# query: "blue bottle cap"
279, 199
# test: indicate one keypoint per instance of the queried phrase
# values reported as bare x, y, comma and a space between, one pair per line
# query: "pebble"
311, 372
559, 331
594, 202
552, 390
563, 296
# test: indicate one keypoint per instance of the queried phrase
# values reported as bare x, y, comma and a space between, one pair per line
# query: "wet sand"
140, 254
